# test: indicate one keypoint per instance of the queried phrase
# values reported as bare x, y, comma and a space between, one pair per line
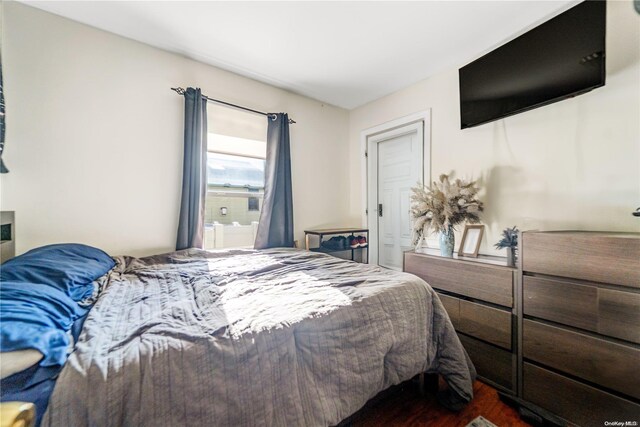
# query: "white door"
399, 167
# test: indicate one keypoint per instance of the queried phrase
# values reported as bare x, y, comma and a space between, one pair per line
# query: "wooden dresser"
560, 335
478, 294
581, 325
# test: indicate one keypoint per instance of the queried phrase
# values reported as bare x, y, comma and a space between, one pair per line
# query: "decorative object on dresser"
471, 238
443, 206
344, 240
477, 293
447, 241
7, 234
510, 242
581, 324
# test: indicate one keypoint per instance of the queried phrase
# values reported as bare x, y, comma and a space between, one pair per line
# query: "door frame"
369, 168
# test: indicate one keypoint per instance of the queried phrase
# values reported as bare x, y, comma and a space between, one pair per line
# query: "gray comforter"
242, 338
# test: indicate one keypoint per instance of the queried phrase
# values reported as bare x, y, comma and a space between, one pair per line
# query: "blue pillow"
37, 317
69, 267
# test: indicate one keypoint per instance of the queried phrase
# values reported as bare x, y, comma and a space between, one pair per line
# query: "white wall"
570, 165
94, 141
94, 137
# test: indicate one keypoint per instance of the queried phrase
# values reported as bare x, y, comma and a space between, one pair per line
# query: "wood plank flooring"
403, 405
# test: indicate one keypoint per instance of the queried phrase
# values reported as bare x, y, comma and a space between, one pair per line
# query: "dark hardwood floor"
403, 405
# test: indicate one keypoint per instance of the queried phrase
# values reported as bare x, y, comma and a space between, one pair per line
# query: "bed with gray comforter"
251, 338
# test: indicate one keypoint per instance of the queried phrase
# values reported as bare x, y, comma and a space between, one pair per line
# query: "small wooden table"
322, 232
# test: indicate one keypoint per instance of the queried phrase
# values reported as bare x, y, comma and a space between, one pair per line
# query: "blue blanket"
36, 383
68, 267
38, 317
39, 295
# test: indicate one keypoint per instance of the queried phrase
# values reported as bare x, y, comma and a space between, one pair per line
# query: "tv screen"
561, 58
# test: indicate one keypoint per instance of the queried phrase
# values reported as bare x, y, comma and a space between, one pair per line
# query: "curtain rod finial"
178, 90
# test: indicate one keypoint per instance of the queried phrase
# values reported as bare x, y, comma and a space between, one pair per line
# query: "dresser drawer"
606, 363
597, 257
480, 321
619, 314
606, 311
492, 363
561, 302
487, 323
452, 306
479, 281
574, 401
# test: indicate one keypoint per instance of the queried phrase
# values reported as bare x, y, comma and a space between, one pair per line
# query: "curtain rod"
272, 116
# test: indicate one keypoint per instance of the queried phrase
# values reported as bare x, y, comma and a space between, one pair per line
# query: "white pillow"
12, 362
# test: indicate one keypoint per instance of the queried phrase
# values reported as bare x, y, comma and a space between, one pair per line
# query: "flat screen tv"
558, 59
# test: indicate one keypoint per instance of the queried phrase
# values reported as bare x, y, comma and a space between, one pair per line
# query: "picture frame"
471, 238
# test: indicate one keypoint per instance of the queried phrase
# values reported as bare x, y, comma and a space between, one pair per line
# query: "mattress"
256, 338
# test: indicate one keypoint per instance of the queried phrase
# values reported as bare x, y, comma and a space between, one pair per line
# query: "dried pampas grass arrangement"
443, 206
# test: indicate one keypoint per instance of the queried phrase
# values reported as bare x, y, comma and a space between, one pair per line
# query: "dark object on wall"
3, 168
253, 204
636, 213
5, 232
194, 171
636, 4
562, 58
275, 228
7, 235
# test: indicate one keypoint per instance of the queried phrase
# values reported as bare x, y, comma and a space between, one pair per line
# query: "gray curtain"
194, 171
275, 228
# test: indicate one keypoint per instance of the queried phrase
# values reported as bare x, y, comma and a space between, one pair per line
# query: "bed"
244, 337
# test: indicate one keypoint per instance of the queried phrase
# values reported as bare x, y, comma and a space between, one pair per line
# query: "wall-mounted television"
558, 59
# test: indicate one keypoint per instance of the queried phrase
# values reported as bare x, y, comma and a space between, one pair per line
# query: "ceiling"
341, 53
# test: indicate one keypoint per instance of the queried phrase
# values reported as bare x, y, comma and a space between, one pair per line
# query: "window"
237, 184
253, 203
235, 177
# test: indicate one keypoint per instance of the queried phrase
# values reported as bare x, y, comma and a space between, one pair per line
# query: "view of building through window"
235, 182
235, 188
